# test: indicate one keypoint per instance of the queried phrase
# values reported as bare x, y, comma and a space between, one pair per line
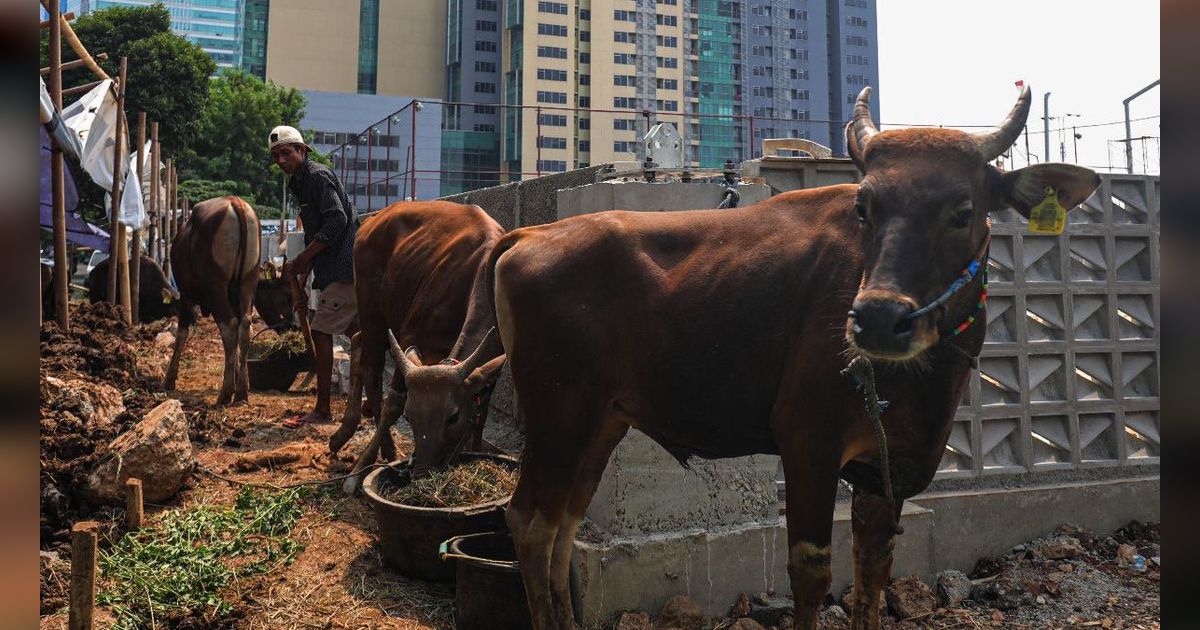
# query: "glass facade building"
214, 25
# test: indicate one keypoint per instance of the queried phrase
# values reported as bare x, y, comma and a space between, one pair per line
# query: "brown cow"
721, 334
414, 266
214, 259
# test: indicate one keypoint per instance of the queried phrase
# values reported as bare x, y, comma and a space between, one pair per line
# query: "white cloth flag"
93, 119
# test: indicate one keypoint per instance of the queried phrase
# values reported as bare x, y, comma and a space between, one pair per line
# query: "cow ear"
483, 375
1026, 187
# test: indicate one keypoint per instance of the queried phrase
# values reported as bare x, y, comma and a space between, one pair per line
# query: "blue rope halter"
963, 279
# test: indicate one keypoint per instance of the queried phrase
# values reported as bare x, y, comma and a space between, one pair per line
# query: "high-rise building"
214, 25
727, 73
387, 47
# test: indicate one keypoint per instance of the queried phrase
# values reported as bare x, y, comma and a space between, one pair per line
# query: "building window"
667, 62
485, 5
585, 123
800, 114
552, 120
625, 58
768, 92
800, 54
668, 42
548, 74
559, 8
555, 30
485, 88
799, 95
624, 37
666, 106
857, 60
548, 142
584, 101
667, 2
585, 145
485, 127
585, 36
585, 14
857, 79
485, 109
552, 52
667, 84
857, 40
796, 33
585, 57
622, 146
797, 15
666, 20
625, 124
860, 4
628, 102
552, 97
485, 66
624, 16
854, 20
799, 74
628, 80
554, 166
486, 26
485, 46
585, 79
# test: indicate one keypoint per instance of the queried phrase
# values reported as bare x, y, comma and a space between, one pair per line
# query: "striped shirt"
327, 216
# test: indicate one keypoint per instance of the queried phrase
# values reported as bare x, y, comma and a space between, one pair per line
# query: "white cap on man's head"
284, 134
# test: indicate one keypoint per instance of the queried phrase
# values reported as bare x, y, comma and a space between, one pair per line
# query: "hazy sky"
953, 62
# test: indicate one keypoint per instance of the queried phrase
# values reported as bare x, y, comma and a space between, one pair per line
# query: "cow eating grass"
724, 333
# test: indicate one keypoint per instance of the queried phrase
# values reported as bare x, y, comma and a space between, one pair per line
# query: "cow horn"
402, 360
476, 358
861, 125
995, 142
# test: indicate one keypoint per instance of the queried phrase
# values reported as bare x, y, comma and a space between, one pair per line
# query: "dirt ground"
339, 579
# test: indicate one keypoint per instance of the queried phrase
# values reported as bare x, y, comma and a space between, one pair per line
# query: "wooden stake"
135, 274
155, 218
114, 224
133, 504
70, 15
123, 279
83, 570
71, 65
80, 89
57, 183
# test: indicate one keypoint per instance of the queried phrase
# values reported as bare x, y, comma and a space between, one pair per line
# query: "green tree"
167, 75
232, 143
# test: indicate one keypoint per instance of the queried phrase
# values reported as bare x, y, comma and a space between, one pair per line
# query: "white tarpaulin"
93, 119
133, 207
63, 136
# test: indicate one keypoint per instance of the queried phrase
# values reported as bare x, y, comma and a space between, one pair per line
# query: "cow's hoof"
350, 485
223, 401
340, 437
169, 386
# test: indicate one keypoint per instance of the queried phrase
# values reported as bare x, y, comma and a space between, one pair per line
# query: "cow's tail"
234, 288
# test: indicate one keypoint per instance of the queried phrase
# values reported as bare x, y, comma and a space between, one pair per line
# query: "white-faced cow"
414, 266
214, 259
723, 333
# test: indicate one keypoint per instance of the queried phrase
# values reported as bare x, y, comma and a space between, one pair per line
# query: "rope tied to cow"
730, 199
862, 373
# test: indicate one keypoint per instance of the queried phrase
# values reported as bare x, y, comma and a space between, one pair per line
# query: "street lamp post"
1046, 124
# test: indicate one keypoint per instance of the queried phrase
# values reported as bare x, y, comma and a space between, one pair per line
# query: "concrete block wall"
1068, 379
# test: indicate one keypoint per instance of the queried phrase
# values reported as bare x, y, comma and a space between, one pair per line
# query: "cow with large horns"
720, 334
414, 266
214, 259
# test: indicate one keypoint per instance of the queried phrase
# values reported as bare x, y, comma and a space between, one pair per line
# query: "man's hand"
300, 266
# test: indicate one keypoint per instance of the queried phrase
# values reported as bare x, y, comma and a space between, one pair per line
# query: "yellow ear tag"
1049, 216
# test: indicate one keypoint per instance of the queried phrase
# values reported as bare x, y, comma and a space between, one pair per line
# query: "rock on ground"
681, 612
909, 597
952, 587
1059, 548
93, 402
633, 621
156, 450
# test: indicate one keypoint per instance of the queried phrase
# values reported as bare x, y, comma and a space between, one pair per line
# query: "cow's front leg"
181, 336
811, 481
873, 520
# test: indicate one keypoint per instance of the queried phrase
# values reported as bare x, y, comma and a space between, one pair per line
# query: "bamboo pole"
135, 274
83, 570
69, 34
114, 223
80, 89
133, 504
61, 279
168, 217
155, 218
71, 65
123, 278
44, 24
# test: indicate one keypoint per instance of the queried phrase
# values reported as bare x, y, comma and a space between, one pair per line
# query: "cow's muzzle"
882, 327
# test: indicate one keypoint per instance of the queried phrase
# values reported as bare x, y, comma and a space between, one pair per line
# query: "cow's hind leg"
586, 479
242, 390
229, 339
811, 481
183, 329
872, 521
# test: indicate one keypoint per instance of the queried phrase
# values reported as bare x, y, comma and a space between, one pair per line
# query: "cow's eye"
861, 211
962, 218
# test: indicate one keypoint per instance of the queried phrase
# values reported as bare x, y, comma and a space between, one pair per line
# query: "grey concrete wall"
651, 196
